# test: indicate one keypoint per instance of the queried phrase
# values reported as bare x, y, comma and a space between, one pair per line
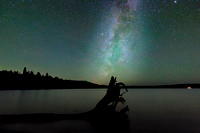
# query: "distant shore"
88, 85
178, 86
13, 80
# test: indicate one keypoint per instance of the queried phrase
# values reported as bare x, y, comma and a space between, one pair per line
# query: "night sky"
141, 42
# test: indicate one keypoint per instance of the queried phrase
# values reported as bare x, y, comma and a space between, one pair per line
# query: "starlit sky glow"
141, 42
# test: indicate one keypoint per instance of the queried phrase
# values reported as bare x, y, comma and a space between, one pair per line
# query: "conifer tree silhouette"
24, 71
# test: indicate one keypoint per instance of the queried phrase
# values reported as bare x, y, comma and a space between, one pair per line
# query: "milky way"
120, 40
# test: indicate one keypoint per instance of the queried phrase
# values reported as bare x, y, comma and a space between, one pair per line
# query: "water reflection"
151, 110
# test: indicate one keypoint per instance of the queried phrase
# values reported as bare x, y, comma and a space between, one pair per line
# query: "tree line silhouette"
29, 80
26, 75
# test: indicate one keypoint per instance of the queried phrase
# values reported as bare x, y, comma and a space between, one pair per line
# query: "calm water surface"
151, 110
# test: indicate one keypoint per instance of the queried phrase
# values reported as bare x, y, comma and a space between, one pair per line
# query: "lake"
151, 110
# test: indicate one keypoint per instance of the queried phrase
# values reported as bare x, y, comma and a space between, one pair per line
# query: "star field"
140, 42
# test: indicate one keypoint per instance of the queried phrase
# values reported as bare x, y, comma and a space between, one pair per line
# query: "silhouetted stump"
104, 116
112, 97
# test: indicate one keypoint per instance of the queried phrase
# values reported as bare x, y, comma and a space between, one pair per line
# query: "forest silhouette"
29, 80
